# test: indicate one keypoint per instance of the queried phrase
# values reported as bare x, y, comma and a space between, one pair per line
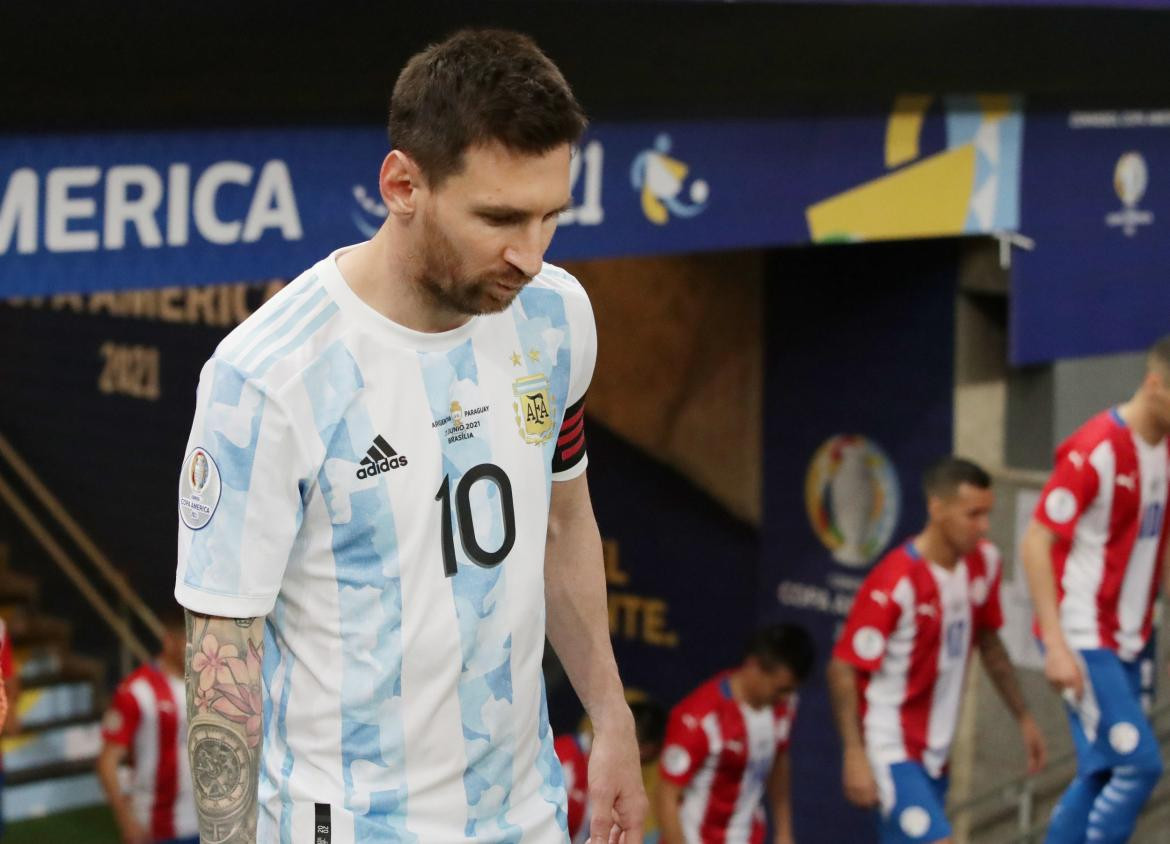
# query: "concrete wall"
680, 365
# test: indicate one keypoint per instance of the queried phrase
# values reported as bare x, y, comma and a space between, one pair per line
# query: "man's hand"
860, 787
132, 831
617, 799
1034, 744
783, 838
1062, 670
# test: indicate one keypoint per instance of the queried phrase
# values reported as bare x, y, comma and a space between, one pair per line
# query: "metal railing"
1021, 793
127, 598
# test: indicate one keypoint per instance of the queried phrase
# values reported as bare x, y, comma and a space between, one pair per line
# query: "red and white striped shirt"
7, 670
573, 751
149, 716
910, 632
722, 751
1106, 504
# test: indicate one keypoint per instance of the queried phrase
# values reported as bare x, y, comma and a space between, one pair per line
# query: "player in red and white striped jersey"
147, 725
897, 671
573, 750
9, 683
9, 694
727, 746
1095, 552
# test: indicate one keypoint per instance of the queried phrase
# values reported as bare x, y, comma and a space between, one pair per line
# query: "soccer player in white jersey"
384, 490
1095, 553
896, 676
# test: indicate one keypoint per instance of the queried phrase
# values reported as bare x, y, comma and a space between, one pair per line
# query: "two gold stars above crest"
533, 354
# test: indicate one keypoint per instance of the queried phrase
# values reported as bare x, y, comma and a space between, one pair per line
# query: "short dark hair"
649, 721
946, 475
478, 86
786, 645
1159, 354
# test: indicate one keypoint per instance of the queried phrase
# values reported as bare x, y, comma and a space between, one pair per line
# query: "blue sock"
1116, 809
1071, 815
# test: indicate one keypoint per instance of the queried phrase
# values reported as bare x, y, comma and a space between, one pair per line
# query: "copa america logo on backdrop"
1130, 180
852, 496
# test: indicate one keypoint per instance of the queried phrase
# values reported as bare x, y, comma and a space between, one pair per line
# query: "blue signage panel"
126, 211
1096, 200
858, 402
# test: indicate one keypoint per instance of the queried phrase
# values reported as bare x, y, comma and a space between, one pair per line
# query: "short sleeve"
240, 497
684, 749
1070, 490
569, 456
121, 720
871, 620
988, 612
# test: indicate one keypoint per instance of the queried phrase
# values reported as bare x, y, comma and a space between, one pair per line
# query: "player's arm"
1060, 666
860, 787
578, 628
224, 715
780, 798
999, 668
666, 802
113, 755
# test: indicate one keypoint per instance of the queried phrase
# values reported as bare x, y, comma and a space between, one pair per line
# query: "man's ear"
398, 182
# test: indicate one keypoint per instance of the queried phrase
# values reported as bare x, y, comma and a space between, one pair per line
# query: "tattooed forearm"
998, 666
225, 721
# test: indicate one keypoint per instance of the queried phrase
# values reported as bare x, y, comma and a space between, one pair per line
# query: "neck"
382, 271
933, 546
175, 669
735, 681
1137, 415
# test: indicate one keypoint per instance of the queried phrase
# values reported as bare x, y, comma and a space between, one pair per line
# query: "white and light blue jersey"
381, 495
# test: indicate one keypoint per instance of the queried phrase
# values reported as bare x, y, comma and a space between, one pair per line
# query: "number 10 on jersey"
486, 473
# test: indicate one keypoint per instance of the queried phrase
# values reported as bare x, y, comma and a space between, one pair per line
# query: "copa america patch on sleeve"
675, 760
1060, 505
199, 489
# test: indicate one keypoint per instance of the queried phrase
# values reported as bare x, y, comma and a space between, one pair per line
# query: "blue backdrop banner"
126, 211
1096, 199
858, 402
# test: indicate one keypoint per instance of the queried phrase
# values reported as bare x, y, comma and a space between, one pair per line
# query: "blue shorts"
912, 805
1109, 724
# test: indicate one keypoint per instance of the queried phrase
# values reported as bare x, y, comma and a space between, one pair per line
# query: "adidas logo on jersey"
380, 457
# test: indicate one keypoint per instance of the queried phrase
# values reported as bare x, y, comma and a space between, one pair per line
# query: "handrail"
1024, 786
82, 539
42, 535
1155, 804
1023, 477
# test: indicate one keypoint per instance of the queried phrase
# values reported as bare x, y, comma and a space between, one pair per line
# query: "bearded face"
482, 232
451, 284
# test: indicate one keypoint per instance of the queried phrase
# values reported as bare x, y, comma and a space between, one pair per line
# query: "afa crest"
535, 408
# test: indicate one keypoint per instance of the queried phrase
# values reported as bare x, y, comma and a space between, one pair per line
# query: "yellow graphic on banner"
927, 198
662, 169
905, 128
946, 193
